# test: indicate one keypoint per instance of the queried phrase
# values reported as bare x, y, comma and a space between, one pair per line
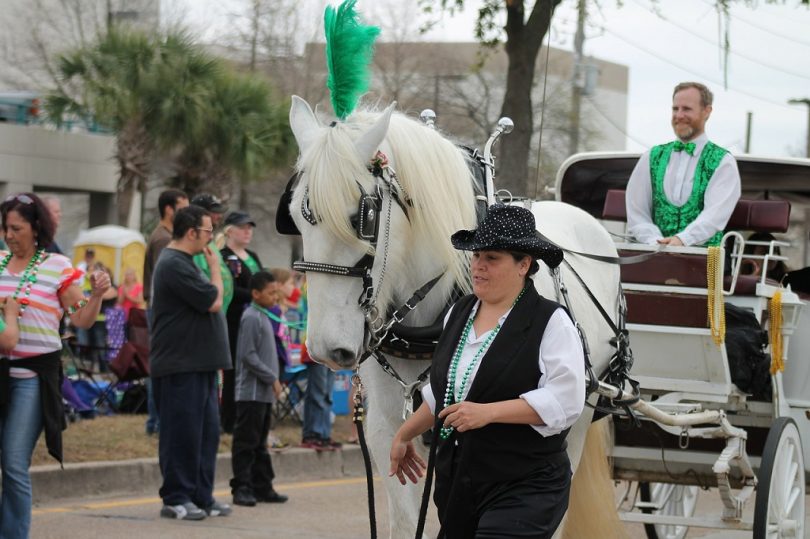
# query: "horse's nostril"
343, 357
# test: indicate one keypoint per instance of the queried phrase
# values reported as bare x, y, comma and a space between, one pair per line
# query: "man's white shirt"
719, 201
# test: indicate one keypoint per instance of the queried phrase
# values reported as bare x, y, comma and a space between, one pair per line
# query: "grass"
122, 437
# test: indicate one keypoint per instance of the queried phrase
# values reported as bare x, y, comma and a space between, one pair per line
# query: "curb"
141, 476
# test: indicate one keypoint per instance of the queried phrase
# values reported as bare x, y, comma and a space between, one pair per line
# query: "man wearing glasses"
216, 209
189, 344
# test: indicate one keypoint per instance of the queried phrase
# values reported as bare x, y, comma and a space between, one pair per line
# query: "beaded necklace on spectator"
449, 396
27, 279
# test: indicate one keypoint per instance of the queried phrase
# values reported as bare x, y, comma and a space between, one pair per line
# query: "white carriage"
749, 447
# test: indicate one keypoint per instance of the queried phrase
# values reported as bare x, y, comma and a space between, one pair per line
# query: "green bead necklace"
449, 396
27, 279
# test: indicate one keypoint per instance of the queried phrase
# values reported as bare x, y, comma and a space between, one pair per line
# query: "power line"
614, 124
766, 30
709, 41
688, 70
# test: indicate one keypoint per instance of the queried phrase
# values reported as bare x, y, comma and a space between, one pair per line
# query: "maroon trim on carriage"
672, 269
663, 309
755, 215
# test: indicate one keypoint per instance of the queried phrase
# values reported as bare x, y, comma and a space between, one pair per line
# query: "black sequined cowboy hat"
508, 228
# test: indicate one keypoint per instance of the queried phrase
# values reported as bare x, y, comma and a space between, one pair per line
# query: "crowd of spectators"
223, 329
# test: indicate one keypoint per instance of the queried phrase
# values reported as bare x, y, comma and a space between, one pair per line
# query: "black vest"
497, 452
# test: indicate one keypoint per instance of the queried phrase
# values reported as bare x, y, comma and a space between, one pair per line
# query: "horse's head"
361, 222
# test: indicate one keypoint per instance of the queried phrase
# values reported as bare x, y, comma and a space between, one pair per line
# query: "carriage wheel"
779, 509
673, 500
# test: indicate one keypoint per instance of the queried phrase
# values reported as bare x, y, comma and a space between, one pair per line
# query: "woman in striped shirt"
45, 285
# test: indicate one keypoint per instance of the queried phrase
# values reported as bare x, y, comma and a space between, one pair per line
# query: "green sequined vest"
669, 218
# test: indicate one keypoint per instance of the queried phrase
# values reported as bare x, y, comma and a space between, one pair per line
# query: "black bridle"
366, 224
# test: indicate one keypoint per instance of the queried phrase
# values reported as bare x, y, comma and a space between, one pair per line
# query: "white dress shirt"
719, 201
560, 394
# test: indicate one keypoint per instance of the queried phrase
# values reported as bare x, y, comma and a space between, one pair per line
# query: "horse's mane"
433, 173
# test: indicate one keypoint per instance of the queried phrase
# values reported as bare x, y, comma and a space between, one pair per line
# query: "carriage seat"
690, 270
754, 215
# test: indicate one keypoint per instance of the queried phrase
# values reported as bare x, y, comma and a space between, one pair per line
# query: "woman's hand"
11, 309
99, 283
405, 462
465, 415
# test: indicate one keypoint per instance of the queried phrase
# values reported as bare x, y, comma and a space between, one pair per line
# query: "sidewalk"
142, 476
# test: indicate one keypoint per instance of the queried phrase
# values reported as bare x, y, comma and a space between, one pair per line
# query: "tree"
525, 28
148, 90
246, 134
165, 97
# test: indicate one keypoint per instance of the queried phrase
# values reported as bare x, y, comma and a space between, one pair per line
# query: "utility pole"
255, 29
804, 101
748, 119
578, 79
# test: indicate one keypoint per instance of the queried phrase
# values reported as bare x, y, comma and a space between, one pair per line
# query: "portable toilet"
116, 247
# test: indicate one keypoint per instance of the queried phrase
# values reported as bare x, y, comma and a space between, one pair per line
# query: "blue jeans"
318, 402
20, 425
152, 421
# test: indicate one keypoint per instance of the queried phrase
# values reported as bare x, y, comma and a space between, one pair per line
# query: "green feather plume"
349, 49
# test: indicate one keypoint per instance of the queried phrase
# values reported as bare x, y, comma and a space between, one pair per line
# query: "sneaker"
218, 509
243, 496
313, 443
272, 497
186, 511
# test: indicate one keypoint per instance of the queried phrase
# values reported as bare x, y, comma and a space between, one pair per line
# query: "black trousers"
531, 506
227, 408
252, 465
189, 436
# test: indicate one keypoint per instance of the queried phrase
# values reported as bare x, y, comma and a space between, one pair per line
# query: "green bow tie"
689, 147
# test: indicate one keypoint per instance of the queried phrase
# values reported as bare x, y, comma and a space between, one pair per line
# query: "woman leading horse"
509, 380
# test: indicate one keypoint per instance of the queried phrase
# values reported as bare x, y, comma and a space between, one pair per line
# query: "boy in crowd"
257, 388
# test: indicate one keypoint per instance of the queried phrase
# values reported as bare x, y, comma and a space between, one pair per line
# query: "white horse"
413, 246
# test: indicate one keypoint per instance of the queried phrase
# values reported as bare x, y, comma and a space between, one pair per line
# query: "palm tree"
166, 96
147, 89
247, 134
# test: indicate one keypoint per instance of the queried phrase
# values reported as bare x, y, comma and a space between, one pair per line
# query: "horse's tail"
592, 510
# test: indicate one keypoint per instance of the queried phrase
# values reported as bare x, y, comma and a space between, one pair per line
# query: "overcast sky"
664, 43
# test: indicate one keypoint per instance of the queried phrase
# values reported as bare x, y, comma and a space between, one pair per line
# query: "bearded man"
683, 192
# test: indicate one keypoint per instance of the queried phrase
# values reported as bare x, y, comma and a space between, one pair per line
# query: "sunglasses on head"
25, 199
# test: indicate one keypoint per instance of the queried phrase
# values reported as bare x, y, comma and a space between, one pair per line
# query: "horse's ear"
369, 142
303, 122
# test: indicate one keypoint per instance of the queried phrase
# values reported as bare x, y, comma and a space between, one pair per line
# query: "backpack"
745, 346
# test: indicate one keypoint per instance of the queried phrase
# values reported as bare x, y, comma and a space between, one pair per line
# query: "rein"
357, 418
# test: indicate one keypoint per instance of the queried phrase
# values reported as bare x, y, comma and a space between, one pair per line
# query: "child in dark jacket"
257, 386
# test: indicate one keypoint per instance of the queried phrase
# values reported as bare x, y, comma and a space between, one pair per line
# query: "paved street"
332, 508
317, 509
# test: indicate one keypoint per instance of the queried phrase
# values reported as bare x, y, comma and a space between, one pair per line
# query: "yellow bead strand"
775, 332
715, 302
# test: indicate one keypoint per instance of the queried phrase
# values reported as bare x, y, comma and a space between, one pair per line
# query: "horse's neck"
424, 269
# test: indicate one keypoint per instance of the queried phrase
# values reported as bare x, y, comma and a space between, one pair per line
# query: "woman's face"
19, 234
496, 274
242, 234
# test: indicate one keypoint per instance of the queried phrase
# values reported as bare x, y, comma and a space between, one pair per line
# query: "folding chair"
294, 384
131, 364
89, 384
